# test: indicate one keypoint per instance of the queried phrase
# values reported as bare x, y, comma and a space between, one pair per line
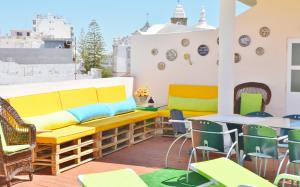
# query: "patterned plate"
171, 55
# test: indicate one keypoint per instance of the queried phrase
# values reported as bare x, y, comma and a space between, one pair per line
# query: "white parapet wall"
8, 91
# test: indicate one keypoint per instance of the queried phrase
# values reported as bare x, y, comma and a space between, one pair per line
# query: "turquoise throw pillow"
89, 112
250, 103
124, 106
193, 104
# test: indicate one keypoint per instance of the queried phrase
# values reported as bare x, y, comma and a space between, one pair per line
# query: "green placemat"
172, 178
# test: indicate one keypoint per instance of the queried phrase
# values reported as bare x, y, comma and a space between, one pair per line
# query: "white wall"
28, 89
282, 17
144, 64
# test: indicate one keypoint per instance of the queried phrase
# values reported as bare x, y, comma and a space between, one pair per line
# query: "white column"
226, 56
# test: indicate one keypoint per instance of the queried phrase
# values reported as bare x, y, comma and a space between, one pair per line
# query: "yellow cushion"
111, 94
38, 104
65, 134
186, 114
52, 121
193, 91
78, 97
119, 120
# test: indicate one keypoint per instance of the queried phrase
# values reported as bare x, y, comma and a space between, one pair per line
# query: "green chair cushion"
193, 104
3, 141
52, 121
124, 177
250, 103
14, 148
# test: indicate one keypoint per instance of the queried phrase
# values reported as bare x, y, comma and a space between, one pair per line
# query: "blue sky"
116, 17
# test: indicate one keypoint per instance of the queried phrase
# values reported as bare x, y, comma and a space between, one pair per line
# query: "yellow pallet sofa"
193, 100
69, 144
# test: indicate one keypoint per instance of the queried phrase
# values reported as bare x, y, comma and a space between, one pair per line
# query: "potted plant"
141, 95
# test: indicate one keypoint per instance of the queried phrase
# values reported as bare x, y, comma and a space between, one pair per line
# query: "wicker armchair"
17, 144
251, 87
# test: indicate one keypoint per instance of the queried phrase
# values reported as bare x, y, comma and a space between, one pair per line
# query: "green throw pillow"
52, 121
250, 103
193, 104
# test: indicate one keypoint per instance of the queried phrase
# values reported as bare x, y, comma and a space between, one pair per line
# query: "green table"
124, 177
228, 173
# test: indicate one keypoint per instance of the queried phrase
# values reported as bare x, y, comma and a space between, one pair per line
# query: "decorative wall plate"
244, 40
187, 57
154, 52
203, 50
161, 66
237, 58
264, 32
171, 55
260, 51
185, 42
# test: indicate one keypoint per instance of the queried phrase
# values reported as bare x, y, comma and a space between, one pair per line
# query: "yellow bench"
184, 97
69, 146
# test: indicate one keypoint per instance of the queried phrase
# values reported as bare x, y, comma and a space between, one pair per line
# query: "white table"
274, 122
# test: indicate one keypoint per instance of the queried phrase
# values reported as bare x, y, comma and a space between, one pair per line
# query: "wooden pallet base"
62, 157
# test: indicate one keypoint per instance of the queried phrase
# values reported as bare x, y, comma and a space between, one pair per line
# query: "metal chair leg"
190, 161
171, 146
182, 146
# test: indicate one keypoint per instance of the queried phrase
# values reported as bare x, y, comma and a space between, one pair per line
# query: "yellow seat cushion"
65, 134
78, 97
186, 114
193, 91
119, 120
111, 94
37, 104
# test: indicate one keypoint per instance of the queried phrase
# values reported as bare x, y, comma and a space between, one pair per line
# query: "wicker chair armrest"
19, 134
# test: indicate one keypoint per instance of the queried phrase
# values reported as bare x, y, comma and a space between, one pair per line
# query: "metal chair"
181, 129
208, 137
259, 114
261, 142
251, 87
293, 153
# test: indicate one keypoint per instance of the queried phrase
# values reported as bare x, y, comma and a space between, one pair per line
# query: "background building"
42, 54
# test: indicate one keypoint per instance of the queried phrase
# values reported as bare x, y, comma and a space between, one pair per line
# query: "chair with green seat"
261, 142
208, 137
17, 142
251, 97
293, 152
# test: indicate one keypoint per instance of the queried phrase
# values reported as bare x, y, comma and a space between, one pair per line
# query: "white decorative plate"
244, 40
161, 66
185, 42
171, 55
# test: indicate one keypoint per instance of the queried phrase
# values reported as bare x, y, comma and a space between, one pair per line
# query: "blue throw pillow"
123, 106
90, 112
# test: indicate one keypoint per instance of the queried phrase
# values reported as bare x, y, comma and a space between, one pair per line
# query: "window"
28, 33
19, 34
